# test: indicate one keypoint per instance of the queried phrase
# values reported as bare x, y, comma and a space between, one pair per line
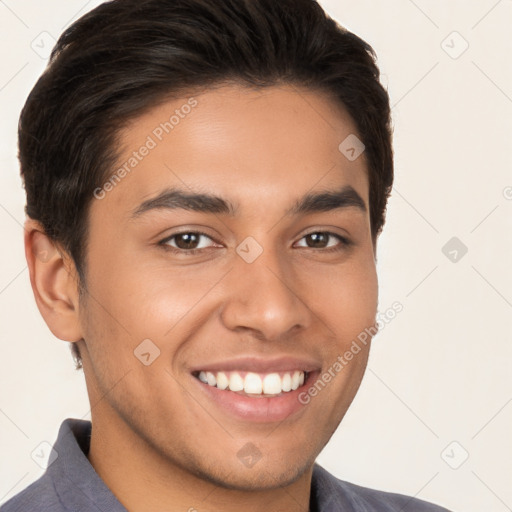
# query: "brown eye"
320, 240
186, 242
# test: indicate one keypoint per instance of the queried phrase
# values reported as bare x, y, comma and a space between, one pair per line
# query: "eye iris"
316, 237
189, 238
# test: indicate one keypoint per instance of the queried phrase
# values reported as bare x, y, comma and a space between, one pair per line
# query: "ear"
54, 281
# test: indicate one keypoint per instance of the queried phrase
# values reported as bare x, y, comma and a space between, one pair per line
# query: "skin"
156, 441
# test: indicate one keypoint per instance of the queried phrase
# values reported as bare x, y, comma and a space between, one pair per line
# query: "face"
255, 287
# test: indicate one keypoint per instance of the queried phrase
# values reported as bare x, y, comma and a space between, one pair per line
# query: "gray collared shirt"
70, 484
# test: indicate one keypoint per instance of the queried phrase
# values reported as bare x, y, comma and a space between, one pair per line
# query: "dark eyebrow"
345, 197
175, 198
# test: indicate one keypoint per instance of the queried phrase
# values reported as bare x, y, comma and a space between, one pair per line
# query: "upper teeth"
254, 383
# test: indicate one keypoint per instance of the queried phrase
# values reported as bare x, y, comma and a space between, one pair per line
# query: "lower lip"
257, 409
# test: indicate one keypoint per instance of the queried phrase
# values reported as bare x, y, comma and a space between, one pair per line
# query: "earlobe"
54, 282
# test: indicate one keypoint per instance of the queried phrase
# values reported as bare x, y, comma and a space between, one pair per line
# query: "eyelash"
345, 242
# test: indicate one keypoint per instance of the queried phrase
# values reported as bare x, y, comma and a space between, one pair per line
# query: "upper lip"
260, 365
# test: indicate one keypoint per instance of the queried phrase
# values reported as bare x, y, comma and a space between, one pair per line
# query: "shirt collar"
76, 482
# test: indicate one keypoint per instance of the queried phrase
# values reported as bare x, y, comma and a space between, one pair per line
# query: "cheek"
135, 301
348, 306
346, 298
356, 300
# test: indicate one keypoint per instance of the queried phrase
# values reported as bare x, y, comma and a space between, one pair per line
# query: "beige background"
439, 382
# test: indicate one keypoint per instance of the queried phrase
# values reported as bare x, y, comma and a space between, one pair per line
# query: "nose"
265, 297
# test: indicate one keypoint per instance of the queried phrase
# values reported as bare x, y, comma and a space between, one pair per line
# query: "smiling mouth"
255, 385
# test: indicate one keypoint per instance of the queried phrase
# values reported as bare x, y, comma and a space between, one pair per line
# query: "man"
206, 182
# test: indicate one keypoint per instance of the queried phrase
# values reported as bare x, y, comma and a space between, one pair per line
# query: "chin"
263, 475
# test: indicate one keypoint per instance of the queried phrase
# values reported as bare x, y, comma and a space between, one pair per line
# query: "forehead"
259, 148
